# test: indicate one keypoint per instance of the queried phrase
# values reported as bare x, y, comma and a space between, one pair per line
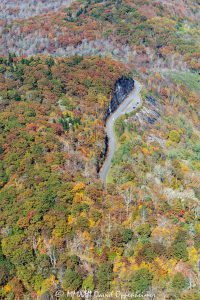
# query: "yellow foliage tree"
79, 186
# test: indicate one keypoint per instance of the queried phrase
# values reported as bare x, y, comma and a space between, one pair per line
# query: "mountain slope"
60, 229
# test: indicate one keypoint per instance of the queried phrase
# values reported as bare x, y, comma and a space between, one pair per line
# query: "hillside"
61, 228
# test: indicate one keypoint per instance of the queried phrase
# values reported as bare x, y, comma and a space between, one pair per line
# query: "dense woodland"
60, 229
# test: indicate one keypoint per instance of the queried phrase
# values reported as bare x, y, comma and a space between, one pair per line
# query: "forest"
61, 229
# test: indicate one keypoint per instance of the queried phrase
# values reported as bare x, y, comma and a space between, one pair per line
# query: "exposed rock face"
150, 113
123, 87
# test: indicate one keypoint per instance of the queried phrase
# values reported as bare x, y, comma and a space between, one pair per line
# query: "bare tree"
50, 252
127, 195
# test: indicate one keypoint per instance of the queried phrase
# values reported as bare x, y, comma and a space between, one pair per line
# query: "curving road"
130, 103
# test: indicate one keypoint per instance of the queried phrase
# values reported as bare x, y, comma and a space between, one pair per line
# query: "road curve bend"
130, 103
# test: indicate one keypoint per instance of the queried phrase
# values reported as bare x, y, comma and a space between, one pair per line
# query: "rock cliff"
123, 87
